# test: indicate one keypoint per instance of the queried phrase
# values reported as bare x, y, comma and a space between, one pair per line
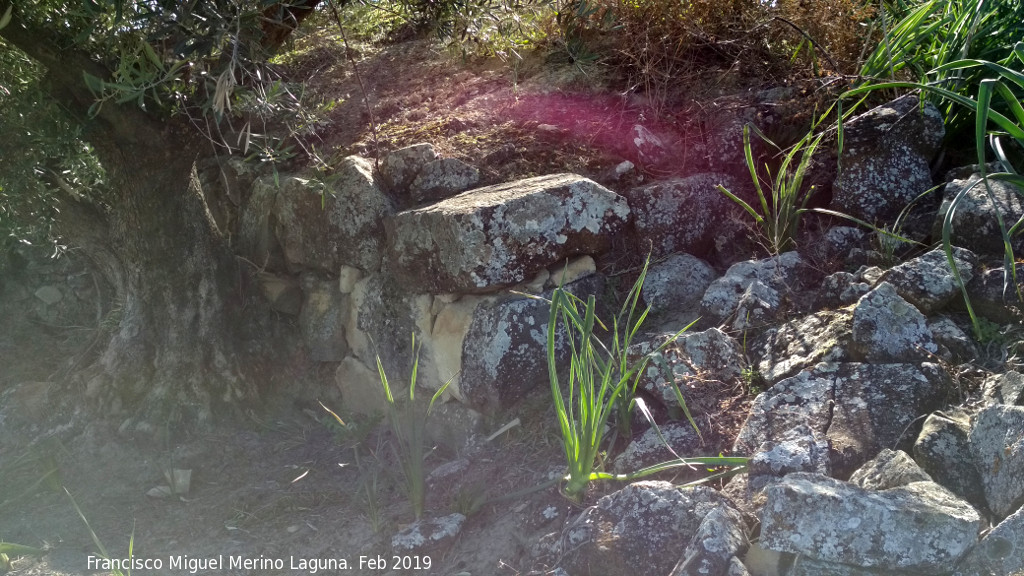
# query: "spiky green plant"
597, 379
408, 421
779, 210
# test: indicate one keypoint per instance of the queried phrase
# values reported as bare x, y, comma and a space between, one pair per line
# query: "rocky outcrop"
885, 160
919, 528
975, 222
642, 529
751, 293
494, 237
683, 215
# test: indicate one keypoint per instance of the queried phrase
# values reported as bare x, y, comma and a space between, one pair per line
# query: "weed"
599, 377
7, 550
408, 420
118, 569
778, 212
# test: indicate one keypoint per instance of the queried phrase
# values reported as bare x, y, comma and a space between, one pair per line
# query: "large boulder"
885, 160
927, 281
685, 214
887, 328
442, 179
650, 528
920, 527
497, 236
504, 351
399, 168
943, 451
997, 445
751, 293
677, 283
838, 401
324, 225
975, 223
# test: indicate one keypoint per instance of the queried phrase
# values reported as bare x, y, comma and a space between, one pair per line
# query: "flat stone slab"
498, 236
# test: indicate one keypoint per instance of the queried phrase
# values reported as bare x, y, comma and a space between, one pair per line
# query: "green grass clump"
408, 421
600, 379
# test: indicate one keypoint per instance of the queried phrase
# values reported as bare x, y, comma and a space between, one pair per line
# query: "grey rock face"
442, 179
714, 547
284, 293
890, 469
954, 344
504, 353
841, 289
497, 236
802, 343
683, 215
999, 553
322, 319
839, 401
874, 406
997, 444
679, 281
887, 328
321, 228
689, 362
256, 239
975, 225
942, 450
750, 293
886, 159
399, 168
927, 282
800, 449
920, 527
1006, 388
643, 528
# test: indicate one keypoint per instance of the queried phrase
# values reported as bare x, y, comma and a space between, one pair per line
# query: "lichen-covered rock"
942, 451
890, 469
399, 168
322, 227
650, 448
504, 353
975, 223
804, 399
1005, 388
643, 529
841, 289
678, 282
714, 548
999, 553
501, 235
384, 320
920, 527
885, 159
442, 179
804, 342
927, 282
428, 535
859, 429
836, 243
997, 444
839, 402
799, 449
691, 361
751, 293
887, 328
683, 215
322, 319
